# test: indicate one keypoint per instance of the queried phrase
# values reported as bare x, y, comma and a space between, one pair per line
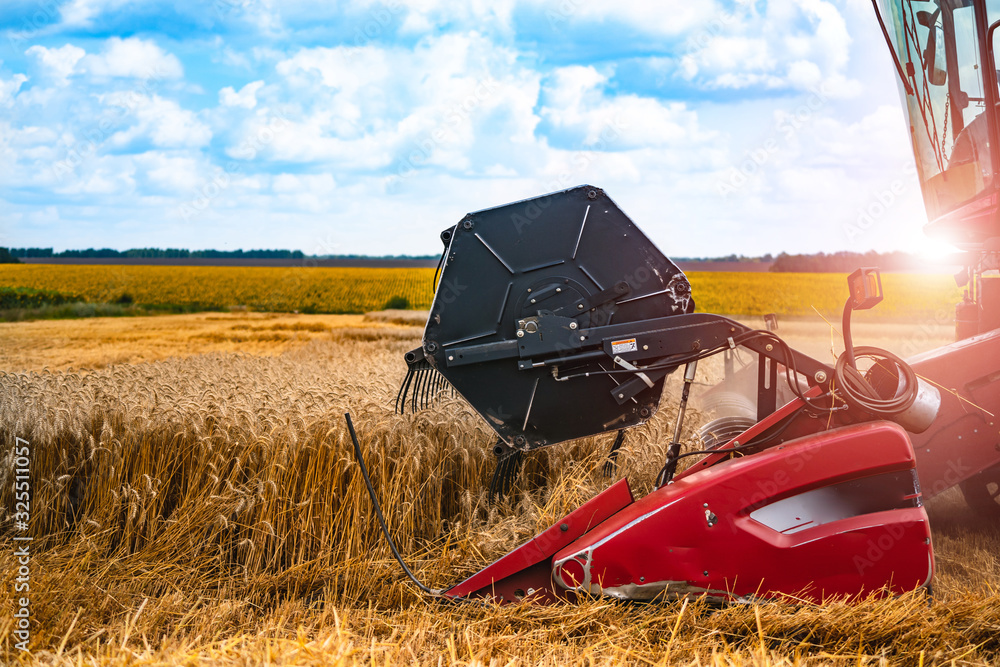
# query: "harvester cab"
944, 53
556, 318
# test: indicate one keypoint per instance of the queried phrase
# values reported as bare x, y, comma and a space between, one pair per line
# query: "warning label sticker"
621, 346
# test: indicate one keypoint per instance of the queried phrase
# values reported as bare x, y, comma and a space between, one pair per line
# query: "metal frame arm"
663, 343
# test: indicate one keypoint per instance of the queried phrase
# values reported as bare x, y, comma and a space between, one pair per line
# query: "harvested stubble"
209, 510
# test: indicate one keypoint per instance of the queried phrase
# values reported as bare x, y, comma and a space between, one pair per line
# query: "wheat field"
359, 290
204, 507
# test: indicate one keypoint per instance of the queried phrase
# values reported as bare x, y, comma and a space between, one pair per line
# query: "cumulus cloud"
163, 122
577, 104
133, 58
60, 62
437, 104
797, 45
245, 98
10, 88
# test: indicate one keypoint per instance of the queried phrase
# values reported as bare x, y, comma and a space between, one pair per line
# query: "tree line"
166, 253
836, 262
844, 262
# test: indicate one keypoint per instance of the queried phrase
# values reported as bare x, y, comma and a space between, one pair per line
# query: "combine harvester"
556, 318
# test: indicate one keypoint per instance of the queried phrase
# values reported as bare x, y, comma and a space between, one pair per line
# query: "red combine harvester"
556, 318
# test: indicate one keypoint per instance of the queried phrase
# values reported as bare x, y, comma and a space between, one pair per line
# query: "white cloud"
576, 103
446, 102
664, 18
297, 183
799, 45
60, 62
162, 121
78, 12
170, 173
133, 58
9, 88
245, 98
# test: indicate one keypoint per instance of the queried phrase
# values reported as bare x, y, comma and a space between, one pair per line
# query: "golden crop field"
275, 289
359, 290
907, 295
206, 508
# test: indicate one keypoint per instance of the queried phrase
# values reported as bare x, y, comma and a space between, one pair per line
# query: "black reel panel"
573, 258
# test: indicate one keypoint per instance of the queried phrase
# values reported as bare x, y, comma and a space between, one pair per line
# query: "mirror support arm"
990, 85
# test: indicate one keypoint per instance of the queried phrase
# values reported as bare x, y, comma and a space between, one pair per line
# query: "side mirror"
935, 75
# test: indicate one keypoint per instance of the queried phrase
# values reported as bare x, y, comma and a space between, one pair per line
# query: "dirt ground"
100, 342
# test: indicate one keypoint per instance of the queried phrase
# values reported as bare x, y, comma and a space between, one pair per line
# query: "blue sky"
368, 127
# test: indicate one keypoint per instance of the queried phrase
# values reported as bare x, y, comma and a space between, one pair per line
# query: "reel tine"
611, 464
403, 389
414, 360
415, 399
508, 467
422, 385
424, 389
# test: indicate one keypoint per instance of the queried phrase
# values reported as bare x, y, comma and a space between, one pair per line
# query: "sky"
367, 127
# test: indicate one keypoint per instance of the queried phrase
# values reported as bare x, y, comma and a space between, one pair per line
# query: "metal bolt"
621, 395
431, 347
468, 224
645, 347
520, 333
573, 325
704, 505
705, 573
768, 347
558, 289
642, 579
532, 301
579, 306
520, 440
583, 338
563, 527
820, 376
592, 194
451, 357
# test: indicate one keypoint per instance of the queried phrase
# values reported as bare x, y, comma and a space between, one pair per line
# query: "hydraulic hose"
860, 391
